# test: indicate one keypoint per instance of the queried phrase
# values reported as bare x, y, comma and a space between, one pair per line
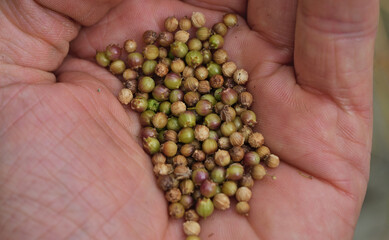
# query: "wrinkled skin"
71, 166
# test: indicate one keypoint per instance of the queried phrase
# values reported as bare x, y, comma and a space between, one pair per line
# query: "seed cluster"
195, 114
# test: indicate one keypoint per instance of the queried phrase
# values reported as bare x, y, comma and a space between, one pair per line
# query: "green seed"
204, 207
186, 135
165, 107
187, 119
172, 124
146, 84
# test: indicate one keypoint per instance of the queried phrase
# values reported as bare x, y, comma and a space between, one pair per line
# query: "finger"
334, 50
274, 20
85, 12
237, 6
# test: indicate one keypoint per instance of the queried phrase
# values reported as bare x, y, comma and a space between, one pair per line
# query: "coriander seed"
179, 49
165, 182
194, 58
230, 20
246, 99
201, 73
220, 28
135, 60
177, 108
222, 158
191, 84
162, 169
234, 172
188, 72
208, 188
125, 96
177, 65
243, 194
149, 37
251, 158
229, 96
199, 176
221, 201
247, 181
192, 238
212, 121
272, 161
203, 107
113, 52
117, 67
248, 118
204, 87
198, 19
161, 93
195, 44
228, 114
169, 148
181, 36
204, 207
171, 24
236, 139
182, 172
191, 215
209, 146
165, 39
158, 158
148, 67
185, 24
173, 195
227, 128
241, 76
139, 104
146, 84
170, 135
146, 117
256, 140
243, 208
130, 74
187, 201
159, 120
191, 98
258, 172
148, 132
203, 33
220, 56
186, 186
229, 188
209, 163
187, 150
102, 59
237, 153
130, 46
199, 155
263, 152
229, 68
176, 210
161, 70
186, 135
218, 174
201, 132
224, 143
216, 41
162, 52
216, 81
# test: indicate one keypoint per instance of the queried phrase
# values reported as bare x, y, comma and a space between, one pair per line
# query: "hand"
70, 163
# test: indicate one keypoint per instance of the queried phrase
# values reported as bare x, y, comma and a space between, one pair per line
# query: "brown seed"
191, 98
191, 228
187, 150
220, 28
272, 161
197, 165
125, 96
246, 99
130, 46
220, 56
149, 37
263, 152
256, 140
162, 52
117, 67
199, 155
222, 158
201, 73
158, 158
246, 131
258, 172
170, 135
180, 160
204, 87
191, 215
227, 114
243, 194
165, 39
191, 84
186, 186
237, 154
224, 143
182, 172
236, 139
185, 24
176, 210
165, 182
216, 81
219, 107
169, 148
241, 76
188, 72
177, 108
161, 70
162, 169
247, 181
173, 195
201, 132
221, 201
243, 208
229, 68
171, 24
229, 82
132, 85
181, 36
209, 163
198, 19
230, 20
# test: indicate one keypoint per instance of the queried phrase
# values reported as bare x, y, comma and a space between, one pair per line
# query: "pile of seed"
195, 117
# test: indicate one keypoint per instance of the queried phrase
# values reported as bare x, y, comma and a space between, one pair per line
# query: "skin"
71, 166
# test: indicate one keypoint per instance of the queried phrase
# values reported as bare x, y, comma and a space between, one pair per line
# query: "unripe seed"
102, 59
135, 60
234, 172
209, 146
227, 128
186, 135
218, 174
117, 67
230, 20
130, 74
251, 159
204, 207
229, 188
187, 201
203, 107
146, 84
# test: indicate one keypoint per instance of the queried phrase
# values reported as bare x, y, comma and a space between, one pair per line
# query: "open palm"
71, 166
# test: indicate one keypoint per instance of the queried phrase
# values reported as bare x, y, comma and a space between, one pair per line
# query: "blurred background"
373, 223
